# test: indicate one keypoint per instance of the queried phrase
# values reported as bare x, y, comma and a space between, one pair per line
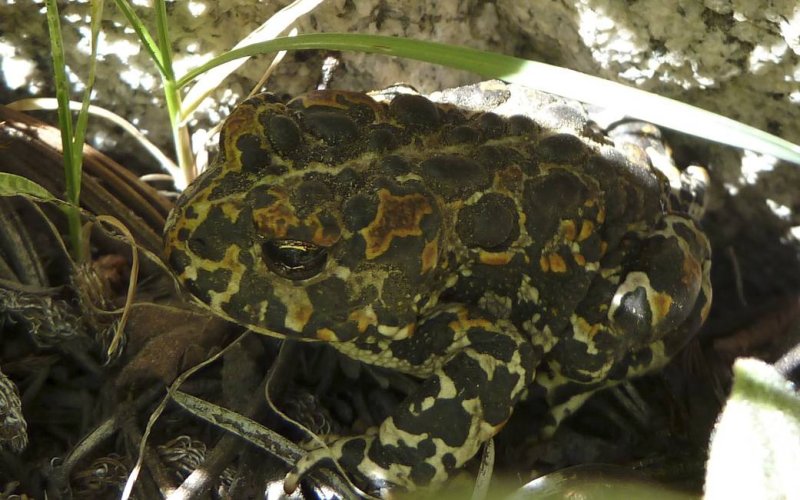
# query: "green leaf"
565, 82
16, 185
755, 446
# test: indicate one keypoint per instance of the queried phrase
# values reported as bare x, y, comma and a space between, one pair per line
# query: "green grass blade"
160, 51
16, 185
60, 77
162, 31
568, 83
146, 39
83, 114
180, 134
72, 172
270, 29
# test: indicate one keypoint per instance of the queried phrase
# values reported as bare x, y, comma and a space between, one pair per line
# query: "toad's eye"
294, 259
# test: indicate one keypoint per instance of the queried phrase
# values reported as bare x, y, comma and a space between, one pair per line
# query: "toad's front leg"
476, 370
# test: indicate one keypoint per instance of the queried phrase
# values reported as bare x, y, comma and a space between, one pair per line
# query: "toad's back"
410, 233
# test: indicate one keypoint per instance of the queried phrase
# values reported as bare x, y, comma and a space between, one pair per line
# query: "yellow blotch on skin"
397, 216
464, 323
277, 218
568, 229
231, 259
298, 308
326, 335
587, 329
495, 258
298, 316
690, 271
601, 215
363, 319
661, 304
321, 236
243, 121
587, 228
553, 263
430, 255
231, 211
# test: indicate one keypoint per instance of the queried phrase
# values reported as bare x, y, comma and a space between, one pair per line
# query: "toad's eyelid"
298, 246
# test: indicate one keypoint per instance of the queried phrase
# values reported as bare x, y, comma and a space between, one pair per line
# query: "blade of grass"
71, 171
272, 27
162, 32
248, 429
83, 114
114, 348
565, 82
270, 69
180, 134
139, 27
160, 51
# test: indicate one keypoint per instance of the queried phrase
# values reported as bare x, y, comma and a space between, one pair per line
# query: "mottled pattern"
484, 254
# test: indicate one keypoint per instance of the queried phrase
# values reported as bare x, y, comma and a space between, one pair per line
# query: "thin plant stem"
72, 170
180, 134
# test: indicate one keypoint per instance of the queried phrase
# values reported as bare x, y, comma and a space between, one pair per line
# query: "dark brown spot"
491, 223
309, 195
455, 175
208, 281
492, 156
208, 238
549, 198
383, 137
179, 261
561, 148
253, 156
183, 234
395, 165
414, 111
230, 183
521, 125
359, 211
284, 134
332, 127
462, 135
491, 125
